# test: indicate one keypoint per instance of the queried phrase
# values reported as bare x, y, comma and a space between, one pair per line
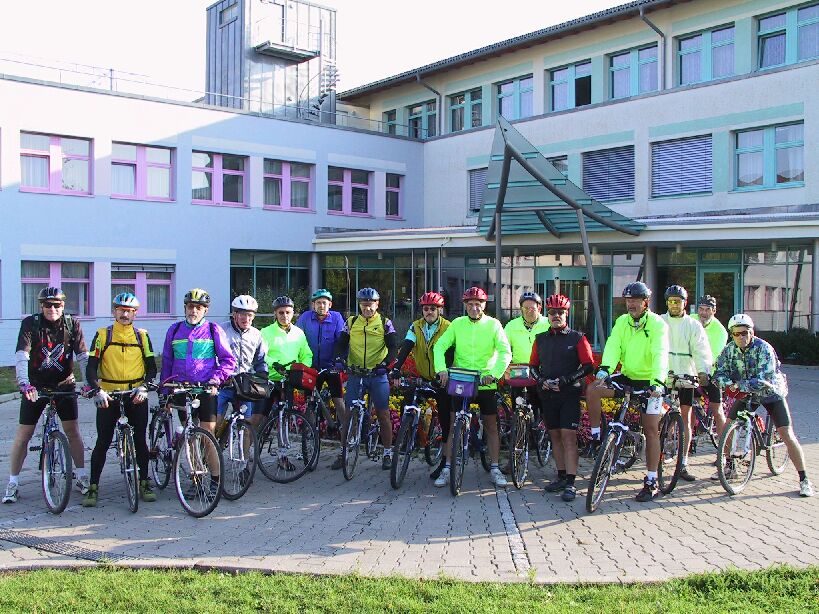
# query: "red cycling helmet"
431, 298
475, 293
558, 301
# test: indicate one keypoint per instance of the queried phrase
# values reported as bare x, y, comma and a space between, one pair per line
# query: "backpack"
109, 335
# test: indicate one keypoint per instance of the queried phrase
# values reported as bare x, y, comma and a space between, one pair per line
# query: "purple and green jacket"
198, 353
755, 370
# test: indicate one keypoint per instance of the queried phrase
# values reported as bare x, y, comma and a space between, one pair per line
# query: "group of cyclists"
646, 346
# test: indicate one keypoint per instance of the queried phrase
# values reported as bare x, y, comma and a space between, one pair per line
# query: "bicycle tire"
193, 475
460, 440
519, 449
239, 465
57, 471
312, 414
709, 426
373, 438
632, 449
672, 445
741, 467
434, 449
776, 453
543, 443
130, 470
404, 442
350, 447
484, 446
602, 472
160, 454
276, 458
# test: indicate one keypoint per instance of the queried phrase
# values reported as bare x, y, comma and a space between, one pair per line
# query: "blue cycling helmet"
368, 294
126, 299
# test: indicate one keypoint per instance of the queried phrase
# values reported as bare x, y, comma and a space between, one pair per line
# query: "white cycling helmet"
740, 319
245, 302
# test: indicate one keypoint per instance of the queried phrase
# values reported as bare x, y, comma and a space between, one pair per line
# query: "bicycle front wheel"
128, 467
776, 453
349, 448
402, 451
282, 446
239, 458
160, 454
736, 456
57, 471
519, 449
602, 471
197, 467
460, 440
672, 442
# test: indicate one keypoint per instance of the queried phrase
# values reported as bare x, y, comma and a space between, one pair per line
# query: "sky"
164, 41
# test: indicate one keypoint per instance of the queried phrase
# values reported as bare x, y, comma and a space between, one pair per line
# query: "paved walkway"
322, 524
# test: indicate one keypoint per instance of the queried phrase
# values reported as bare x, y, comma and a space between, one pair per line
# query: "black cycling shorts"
778, 411
30, 412
651, 406
686, 396
561, 410
714, 393
206, 412
333, 383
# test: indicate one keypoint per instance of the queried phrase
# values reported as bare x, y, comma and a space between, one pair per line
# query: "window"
423, 119
218, 179
287, 185
477, 187
228, 14
788, 37
515, 97
561, 163
390, 122
706, 56
682, 166
634, 72
571, 86
466, 110
393, 195
608, 174
55, 164
74, 278
770, 157
348, 191
152, 284
141, 172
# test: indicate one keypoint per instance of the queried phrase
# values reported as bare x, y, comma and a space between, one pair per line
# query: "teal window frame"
517, 93
467, 109
769, 149
390, 121
571, 84
633, 66
706, 50
790, 29
422, 119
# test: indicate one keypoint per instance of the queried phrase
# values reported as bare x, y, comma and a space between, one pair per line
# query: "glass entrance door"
573, 282
723, 284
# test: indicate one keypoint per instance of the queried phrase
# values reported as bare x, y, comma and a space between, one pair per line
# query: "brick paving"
323, 524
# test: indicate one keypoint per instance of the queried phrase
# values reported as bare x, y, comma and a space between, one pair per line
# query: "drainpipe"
439, 100
662, 46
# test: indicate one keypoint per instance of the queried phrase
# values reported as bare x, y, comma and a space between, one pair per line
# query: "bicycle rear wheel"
402, 451
349, 448
543, 443
373, 440
160, 454
282, 446
460, 439
197, 467
239, 458
313, 415
519, 449
57, 471
435, 443
483, 444
602, 471
736, 466
672, 443
128, 466
776, 453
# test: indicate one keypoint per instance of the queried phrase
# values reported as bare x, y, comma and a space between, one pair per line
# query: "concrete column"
814, 289
315, 272
650, 273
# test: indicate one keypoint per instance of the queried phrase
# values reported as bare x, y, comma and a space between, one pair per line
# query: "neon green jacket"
522, 339
479, 344
285, 346
717, 335
642, 351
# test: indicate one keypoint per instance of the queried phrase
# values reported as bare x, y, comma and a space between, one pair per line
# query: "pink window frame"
141, 166
397, 216
347, 186
55, 178
141, 283
55, 278
217, 185
286, 190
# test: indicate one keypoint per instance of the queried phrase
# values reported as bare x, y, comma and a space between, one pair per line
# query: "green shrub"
797, 346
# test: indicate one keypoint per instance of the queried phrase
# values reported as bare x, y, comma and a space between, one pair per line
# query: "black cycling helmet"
531, 296
198, 296
676, 290
283, 301
636, 289
707, 301
368, 294
51, 293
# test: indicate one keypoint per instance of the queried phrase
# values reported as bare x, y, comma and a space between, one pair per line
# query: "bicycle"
355, 425
318, 409
162, 440
619, 438
197, 460
287, 435
743, 439
520, 434
237, 438
704, 424
416, 391
463, 384
55, 454
672, 433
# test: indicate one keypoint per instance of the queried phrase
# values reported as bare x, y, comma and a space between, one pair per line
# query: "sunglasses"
742, 333
52, 305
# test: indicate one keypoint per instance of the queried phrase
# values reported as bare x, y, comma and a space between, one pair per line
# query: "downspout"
439, 103
662, 46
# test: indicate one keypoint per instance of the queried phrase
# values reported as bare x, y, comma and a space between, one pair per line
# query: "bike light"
195, 403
